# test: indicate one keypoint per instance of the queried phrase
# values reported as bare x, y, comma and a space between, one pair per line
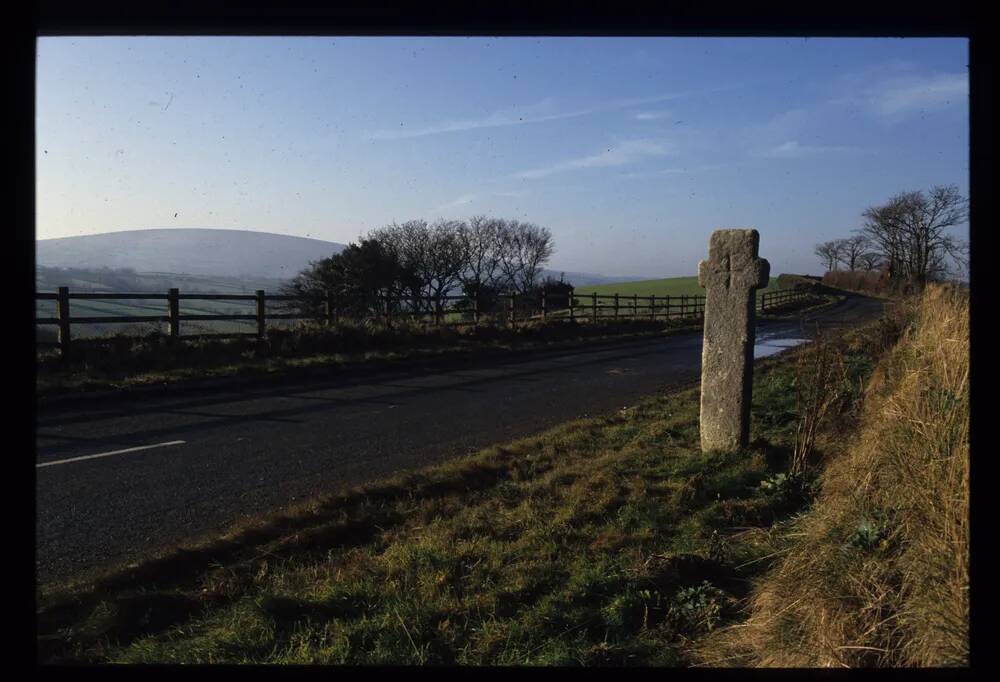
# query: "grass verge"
877, 573
610, 540
125, 362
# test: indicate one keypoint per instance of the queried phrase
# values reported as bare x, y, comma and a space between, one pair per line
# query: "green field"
47, 280
101, 308
671, 286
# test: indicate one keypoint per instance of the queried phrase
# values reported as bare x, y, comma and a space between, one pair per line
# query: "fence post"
635, 306
545, 308
652, 307
513, 312
668, 307
475, 309
174, 313
572, 301
593, 307
261, 322
616, 307
62, 311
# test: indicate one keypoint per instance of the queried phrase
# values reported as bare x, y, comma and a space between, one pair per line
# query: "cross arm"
760, 273
703, 273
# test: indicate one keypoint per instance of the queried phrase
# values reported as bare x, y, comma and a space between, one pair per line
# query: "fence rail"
453, 310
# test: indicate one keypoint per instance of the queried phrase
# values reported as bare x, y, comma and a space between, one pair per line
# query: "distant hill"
213, 253
578, 279
195, 251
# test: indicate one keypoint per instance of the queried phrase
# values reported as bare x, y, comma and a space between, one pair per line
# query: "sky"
630, 150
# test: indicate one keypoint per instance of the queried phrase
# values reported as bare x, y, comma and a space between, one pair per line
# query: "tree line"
413, 266
115, 279
906, 238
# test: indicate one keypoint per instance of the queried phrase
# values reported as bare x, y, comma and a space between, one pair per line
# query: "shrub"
697, 609
869, 282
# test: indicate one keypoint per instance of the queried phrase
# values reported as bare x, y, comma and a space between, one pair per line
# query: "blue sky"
631, 150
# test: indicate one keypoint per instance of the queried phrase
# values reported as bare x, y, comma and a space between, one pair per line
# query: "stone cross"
730, 275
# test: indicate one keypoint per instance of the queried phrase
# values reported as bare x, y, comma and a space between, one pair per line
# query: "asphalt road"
222, 454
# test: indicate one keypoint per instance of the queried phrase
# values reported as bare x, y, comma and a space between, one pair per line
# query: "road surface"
119, 477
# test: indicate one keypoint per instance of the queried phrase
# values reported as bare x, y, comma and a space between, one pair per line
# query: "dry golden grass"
877, 573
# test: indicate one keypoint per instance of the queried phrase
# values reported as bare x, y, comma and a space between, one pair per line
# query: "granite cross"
730, 276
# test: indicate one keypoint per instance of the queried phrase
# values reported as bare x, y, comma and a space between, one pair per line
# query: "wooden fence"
510, 309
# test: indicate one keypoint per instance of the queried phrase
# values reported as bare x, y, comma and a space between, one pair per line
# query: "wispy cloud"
784, 124
896, 91
685, 170
779, 137
468, 199
650, 115
794, 150
626, 152
908, 95
458, 202
543, 110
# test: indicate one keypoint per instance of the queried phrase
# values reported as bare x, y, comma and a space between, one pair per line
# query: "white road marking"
108, 454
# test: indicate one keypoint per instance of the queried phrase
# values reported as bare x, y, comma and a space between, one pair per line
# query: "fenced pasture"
195, 315
90, 280
670, 286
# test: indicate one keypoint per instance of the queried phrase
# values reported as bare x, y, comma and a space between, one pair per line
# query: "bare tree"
409, 244
431, 254
925, 219
524, 249
883, 229
535, 247
910, 232
851, 249
413, 266
479, 241
950, 262
869, 261
506, 238
829, 253
484, 256
445, 259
